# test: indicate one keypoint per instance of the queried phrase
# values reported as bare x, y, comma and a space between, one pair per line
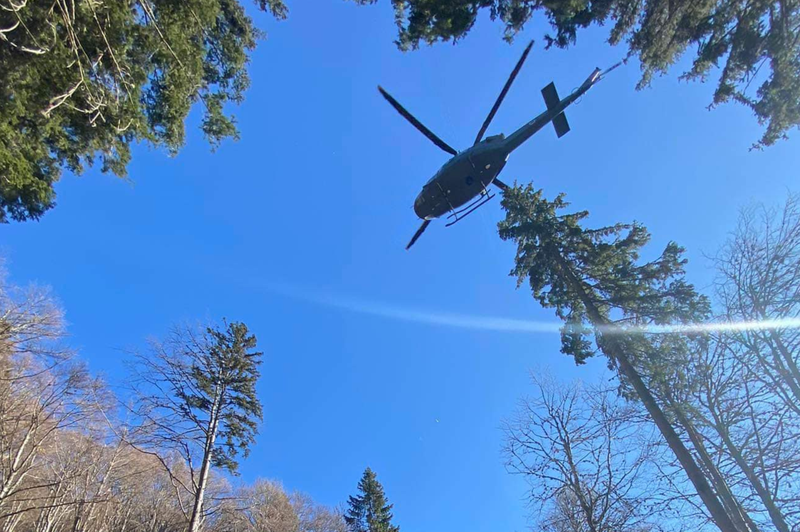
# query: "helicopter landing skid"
462, 213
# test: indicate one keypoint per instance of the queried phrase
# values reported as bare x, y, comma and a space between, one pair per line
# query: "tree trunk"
15, 474
612, 348
793, 377
733, 507
774, 513
83, 523
586, 508
211, 435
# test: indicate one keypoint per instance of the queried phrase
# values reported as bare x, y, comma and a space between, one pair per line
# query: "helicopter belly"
458, 182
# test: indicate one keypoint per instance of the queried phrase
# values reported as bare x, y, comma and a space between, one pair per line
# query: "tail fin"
552, 100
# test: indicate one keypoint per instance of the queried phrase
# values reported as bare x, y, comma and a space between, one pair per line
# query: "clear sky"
307, 217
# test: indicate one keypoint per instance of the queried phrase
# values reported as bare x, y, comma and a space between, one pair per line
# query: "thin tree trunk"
774, 513
611, 347
793, 378
734, 508
584, 504
14, 476
112, 463
205, 468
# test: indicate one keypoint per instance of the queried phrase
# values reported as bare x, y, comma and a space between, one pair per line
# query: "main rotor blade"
499, 184
416, 123
418, 233
503, 93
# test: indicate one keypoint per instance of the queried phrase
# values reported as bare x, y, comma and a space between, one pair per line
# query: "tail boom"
554, 113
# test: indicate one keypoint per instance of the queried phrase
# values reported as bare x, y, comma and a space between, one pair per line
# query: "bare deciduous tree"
588, 459
266, 506
313, 517
743, 386
43, 393
733, 394
759, 280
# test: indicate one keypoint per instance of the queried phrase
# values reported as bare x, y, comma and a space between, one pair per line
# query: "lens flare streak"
694, 328
500, 324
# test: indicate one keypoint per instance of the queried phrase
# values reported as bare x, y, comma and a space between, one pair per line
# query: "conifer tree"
199, 399
595, 282
369, 511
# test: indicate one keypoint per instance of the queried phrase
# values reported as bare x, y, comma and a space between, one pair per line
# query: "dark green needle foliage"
201, 389
82, 80
605, 265
228, 373
753, 46
369, 511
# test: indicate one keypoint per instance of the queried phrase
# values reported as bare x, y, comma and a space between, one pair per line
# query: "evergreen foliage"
84, 79
754, 45
369, 511
228, 373
605, 259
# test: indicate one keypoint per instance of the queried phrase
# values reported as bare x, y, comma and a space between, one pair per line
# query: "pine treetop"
369, 511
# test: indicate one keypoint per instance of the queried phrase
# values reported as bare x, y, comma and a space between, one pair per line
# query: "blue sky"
309, 213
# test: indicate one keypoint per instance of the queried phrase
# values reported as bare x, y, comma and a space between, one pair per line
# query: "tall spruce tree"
753, 47
595, 282
198, 398
81, 79
369, 511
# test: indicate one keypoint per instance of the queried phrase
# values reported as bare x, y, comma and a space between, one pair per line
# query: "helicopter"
461, 185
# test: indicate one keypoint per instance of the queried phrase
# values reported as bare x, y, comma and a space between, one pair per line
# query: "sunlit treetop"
751, 47
569, 266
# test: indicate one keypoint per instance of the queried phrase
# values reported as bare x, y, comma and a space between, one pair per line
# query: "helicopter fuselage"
462, 178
